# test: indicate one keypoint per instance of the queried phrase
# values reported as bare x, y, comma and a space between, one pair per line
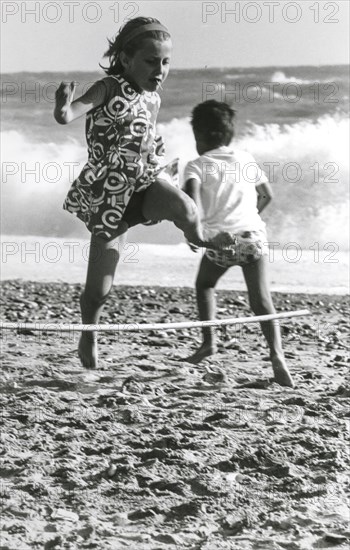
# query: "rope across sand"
136, 327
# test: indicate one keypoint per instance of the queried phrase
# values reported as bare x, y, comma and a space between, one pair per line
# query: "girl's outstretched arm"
264, 191
67, 110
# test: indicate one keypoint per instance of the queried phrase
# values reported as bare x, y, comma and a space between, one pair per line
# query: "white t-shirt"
227, 179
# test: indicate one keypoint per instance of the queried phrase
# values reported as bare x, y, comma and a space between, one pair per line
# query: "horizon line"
200, 68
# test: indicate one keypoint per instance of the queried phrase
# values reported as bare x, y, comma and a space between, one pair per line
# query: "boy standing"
231, 190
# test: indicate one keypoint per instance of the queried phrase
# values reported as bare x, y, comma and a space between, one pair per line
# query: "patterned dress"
123, 156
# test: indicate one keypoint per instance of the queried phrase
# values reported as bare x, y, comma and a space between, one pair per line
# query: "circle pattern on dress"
123, 154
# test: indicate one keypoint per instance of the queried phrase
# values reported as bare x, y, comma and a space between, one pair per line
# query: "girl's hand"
65, 93
223, 240
193, 247
67, 110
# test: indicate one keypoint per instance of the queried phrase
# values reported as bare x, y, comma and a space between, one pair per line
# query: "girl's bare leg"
207, 278
165, 202
255, 275
103, 260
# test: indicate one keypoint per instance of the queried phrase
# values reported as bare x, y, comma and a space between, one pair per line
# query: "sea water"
293, 120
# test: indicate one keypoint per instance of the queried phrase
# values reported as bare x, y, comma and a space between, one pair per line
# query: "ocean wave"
36, 177
280, 77
323, 140
233, 76
39, 166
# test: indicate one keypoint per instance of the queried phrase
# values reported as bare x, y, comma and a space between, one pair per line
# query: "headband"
144, 28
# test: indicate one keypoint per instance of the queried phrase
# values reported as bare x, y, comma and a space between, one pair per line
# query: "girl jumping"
121, 185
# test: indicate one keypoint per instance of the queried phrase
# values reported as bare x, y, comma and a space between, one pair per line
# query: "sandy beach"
45, 259
150, 452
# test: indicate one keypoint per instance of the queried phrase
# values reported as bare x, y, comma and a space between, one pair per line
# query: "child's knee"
93, 297
185, 209
261, 304
204, 287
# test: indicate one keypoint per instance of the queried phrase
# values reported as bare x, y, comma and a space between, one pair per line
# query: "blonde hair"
121, 44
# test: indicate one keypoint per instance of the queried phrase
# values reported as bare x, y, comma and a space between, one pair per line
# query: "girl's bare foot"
87, 351
282, 374
219, 242
204, 351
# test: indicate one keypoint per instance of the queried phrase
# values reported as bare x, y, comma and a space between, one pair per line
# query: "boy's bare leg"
103, 260
207, 278
255, 275
165, 202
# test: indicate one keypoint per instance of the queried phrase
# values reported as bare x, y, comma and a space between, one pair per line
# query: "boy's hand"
65, 93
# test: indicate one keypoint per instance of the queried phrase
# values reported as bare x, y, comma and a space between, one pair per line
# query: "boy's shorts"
249, 247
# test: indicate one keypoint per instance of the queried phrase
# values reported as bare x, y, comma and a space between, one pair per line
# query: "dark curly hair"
214, 121
116, 45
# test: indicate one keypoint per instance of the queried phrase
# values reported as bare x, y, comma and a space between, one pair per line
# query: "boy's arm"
67, 110
264, 191
191, 188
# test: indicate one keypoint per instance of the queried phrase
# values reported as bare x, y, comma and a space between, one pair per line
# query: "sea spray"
306, 162
306, 135
309, 170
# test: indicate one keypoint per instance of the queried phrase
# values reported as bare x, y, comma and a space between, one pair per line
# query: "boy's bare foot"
87, 350
282, 374
204, 351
